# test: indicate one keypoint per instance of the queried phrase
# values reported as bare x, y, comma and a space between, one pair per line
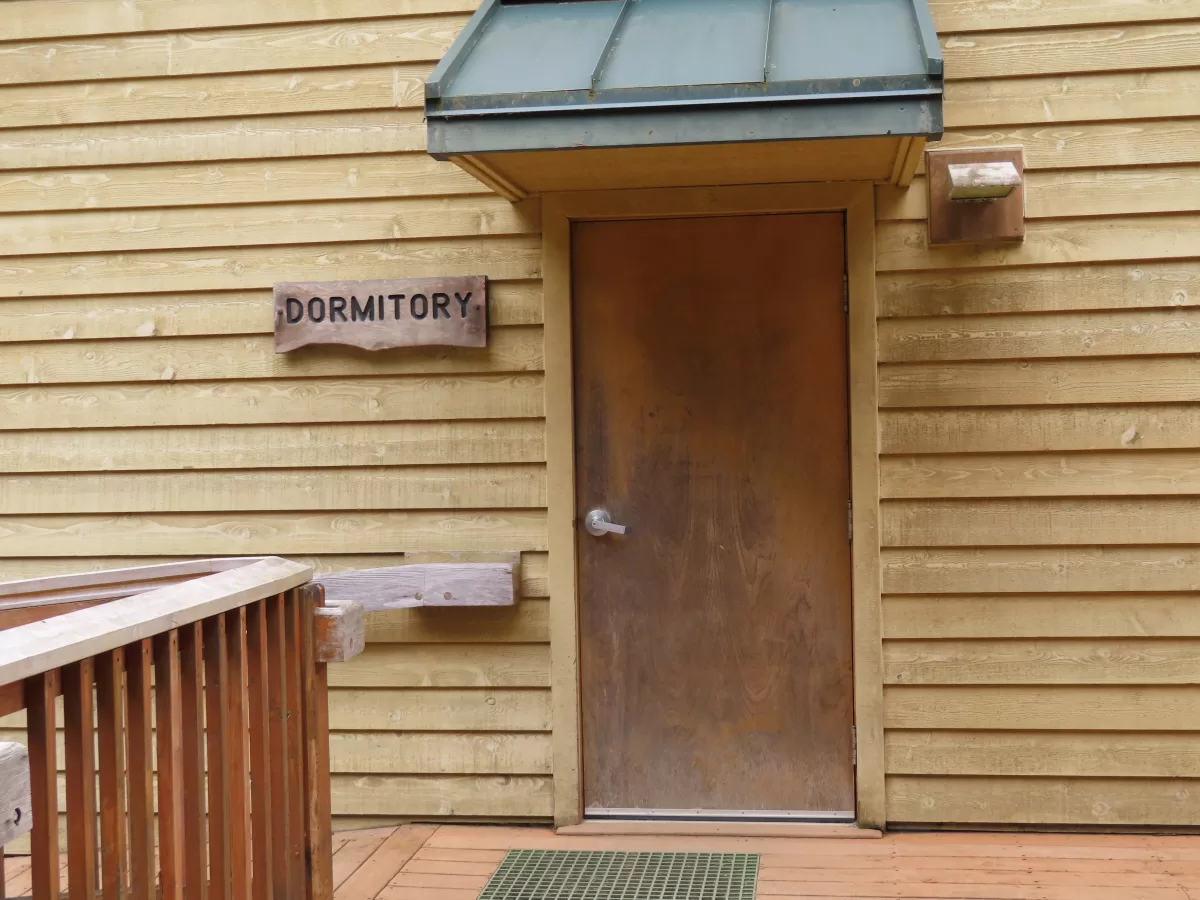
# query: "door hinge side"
845, 292
850, 521
854, 744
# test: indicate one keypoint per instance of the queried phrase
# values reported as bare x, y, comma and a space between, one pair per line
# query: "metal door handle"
597, 522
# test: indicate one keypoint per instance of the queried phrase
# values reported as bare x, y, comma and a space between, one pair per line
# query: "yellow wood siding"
1040, 436
161, 165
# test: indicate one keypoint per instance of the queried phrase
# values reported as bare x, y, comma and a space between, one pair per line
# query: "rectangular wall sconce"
975, 196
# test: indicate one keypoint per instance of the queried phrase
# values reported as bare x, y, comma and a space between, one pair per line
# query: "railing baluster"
316, 742
110, 710
79, 712
295, 741
262, 805
191, 680
277, 699
168, 706
40, 694
239, 755
216, 688
138, 660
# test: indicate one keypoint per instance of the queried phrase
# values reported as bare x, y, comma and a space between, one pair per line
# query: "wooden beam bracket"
340, 631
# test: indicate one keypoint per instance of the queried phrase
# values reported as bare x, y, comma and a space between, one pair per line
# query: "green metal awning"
545, 75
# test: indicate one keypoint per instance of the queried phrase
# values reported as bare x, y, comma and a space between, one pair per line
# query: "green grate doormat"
613, 875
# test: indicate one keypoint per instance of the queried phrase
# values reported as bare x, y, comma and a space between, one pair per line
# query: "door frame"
857, 201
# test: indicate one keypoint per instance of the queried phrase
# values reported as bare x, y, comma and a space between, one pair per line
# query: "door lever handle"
597, 523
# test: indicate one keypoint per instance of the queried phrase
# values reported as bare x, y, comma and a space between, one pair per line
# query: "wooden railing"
207, 696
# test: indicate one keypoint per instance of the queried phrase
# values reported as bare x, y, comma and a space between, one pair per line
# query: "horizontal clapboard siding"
317, 446
220, 182
1040, 434
161, 166
1076, 97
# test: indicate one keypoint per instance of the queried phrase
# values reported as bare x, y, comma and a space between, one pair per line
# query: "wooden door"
711, 419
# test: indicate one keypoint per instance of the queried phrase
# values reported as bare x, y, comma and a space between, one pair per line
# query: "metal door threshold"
838, 817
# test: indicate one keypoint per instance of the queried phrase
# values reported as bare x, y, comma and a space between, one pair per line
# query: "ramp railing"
195, 739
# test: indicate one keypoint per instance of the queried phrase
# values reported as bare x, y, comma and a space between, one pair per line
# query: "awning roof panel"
563, 74
537, 47
809, 40
676, 43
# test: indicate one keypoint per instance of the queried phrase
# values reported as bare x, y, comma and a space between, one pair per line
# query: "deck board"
353, 848
453, 862
387, 861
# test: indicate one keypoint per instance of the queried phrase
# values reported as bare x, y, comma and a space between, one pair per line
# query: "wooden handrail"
34, 599
50, 644
112, 583
232, 740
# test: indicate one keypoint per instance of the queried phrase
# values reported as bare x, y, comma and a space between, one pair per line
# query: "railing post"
277, 724
262, 803
297, 808
216, 686
139, 658
319, 817
170, 765
80, 744
239, 754
110, 717
191, 680
40, 694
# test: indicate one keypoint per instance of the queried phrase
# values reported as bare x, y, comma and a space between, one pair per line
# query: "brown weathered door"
711, 419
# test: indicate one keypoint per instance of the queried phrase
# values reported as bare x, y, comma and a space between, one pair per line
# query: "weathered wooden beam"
339, 631
432, 584
16, 804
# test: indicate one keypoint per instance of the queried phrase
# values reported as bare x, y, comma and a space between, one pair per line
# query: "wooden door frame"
857, 201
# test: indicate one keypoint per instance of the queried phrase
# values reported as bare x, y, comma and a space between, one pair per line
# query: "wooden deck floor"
416, 862
453, 862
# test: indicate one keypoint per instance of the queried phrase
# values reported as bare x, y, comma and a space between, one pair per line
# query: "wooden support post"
110, 717
40, 694
262, 805
167, 694
139, 658
216, 687
79, 712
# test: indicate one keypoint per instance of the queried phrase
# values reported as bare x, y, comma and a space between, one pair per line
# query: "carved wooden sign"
376, 315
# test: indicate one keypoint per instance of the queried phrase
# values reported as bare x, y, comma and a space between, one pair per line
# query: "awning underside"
533, 75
